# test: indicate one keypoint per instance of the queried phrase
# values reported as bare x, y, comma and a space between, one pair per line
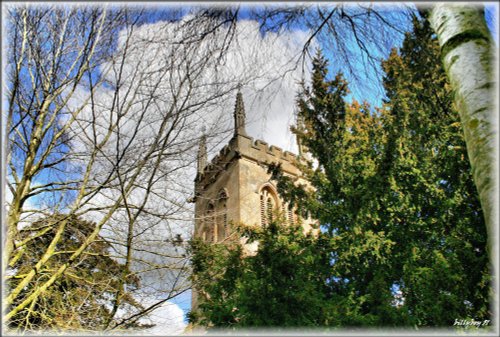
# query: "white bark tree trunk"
468, 57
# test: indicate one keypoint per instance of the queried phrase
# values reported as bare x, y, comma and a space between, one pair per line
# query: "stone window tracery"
268, 205
221, 218
209, 224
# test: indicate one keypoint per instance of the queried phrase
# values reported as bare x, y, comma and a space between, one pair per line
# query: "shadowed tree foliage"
283, 284
394, 189
437, 218
468, 54
81, 299
346, 142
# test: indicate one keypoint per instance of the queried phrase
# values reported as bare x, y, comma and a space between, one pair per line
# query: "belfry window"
288, 213
268, 205
209, 224
221, 217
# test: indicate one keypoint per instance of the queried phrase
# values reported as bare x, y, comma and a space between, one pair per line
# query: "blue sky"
371, 90
491, 16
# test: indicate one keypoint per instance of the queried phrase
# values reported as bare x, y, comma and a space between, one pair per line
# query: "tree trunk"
467, 53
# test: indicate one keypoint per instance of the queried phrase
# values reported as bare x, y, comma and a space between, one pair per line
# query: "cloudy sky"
269, 106
269, 96
267, 66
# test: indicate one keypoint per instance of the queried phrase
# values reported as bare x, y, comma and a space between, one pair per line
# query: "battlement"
256, 150
220, 160
275, 151
260, 145
243, 146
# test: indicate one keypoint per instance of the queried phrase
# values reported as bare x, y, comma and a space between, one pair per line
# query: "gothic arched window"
221, 218
268, 205
209, 224
288, 213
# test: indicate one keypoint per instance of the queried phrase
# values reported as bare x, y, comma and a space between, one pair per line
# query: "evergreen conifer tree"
403, 239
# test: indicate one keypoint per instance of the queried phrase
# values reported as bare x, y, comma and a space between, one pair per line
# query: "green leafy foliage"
396, 194
441, 261
347, 144
282, 284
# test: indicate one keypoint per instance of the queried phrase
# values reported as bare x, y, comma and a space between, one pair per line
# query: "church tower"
235, 186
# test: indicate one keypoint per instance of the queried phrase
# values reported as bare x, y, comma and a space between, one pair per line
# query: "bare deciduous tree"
103, 117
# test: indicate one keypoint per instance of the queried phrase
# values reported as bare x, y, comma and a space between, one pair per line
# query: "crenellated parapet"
264, 154
274, 151
245, 147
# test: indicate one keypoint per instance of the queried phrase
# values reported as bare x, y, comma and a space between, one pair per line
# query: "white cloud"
151, 90
270, 69
168, 320
267, 67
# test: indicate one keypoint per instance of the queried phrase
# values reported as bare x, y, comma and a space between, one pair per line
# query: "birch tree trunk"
467, 53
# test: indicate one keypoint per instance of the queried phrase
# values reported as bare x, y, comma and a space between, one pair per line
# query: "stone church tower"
235, 186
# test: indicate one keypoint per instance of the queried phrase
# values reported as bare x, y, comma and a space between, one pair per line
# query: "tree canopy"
82, 298
282, 284
403, 239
